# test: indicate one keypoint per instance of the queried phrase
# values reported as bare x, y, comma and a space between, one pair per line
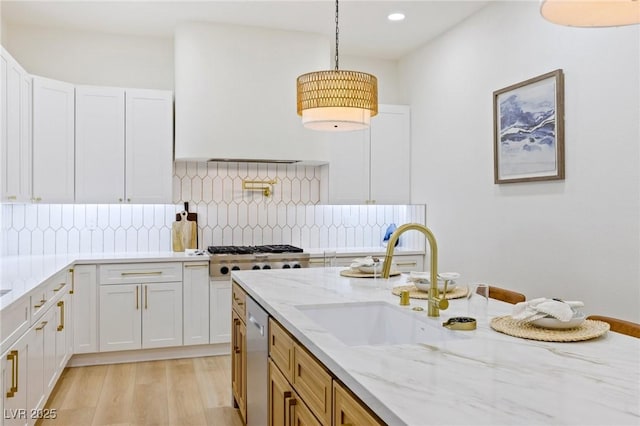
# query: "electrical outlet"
91, 224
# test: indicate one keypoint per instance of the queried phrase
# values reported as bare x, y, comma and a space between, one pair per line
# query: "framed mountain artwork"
528, 122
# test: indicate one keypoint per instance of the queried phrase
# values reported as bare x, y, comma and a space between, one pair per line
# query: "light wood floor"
195, 391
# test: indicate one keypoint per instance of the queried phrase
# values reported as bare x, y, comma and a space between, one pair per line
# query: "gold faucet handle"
440, 303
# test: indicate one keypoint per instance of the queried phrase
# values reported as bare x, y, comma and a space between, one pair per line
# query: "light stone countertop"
484, 377
21, 274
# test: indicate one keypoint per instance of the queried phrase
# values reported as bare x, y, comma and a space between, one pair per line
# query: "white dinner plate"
556, 324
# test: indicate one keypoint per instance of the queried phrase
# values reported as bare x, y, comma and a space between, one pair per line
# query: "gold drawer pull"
13, 357
42, 325
414, 263
73, 281
137, 303
124, 274
197, 265
61, 306
57, 289
41, 304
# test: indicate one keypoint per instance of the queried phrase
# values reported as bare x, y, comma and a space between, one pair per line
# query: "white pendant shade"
591, 13
337, 119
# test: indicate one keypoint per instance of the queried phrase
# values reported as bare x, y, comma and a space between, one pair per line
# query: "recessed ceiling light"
396, 16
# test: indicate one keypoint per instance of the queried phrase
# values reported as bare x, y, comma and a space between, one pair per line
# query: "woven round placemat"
414, 293
589, 329
357, 274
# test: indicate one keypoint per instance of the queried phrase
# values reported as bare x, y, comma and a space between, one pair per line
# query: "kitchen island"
474, 377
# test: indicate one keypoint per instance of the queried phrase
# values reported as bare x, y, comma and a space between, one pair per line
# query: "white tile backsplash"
227, 215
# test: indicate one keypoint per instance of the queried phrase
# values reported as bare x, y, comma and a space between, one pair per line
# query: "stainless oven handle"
261, 255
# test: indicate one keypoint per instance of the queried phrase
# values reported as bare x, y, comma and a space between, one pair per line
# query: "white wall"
86, 57
386, 72
575, 239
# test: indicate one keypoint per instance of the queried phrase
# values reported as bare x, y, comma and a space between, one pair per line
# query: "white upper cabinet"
235, 91
15, 116
53, 141
390, 156
100, 144
149, 146
373, 166
124, 145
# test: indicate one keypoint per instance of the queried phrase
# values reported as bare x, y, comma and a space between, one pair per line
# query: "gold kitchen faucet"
434, 302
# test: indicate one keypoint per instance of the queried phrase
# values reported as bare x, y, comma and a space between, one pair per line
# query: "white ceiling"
364, 28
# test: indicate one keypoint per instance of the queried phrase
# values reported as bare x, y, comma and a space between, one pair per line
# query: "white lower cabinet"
13, 367
140, 316
162, 315
195, 290
85, 308
220, 311
402, 262
33, 364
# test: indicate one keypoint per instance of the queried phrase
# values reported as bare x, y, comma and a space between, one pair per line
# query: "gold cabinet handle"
13, 357
42, 325
73, 281
196, 265
406, 263
41, 304
57, 289
61, 306
146, 297
137, 304
124, 274
12, 197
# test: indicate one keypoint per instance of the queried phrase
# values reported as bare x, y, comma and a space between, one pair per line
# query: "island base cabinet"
286, 408
239, 363
313, 383
348, 411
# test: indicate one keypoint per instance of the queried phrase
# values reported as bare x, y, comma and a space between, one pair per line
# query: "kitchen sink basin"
3, 292
376, 323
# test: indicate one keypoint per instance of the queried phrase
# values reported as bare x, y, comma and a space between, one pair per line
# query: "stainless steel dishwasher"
257, 321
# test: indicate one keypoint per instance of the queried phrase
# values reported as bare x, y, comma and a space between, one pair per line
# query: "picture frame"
528, 128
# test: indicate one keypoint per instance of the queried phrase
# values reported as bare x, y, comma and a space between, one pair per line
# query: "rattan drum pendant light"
337, 100
591, 13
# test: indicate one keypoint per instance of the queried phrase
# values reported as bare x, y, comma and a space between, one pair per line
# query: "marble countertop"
21, 274
484, 377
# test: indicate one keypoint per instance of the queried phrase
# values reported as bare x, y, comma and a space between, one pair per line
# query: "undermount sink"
3, 292
376, 323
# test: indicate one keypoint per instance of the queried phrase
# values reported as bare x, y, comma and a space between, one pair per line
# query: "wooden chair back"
619, 326
505, 295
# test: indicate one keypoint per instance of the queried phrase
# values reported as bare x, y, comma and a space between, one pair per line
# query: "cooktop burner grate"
274, 248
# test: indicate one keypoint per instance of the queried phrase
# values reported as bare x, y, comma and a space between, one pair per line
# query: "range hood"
235, 94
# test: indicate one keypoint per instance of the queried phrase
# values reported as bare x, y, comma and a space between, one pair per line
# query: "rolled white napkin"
534, 309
